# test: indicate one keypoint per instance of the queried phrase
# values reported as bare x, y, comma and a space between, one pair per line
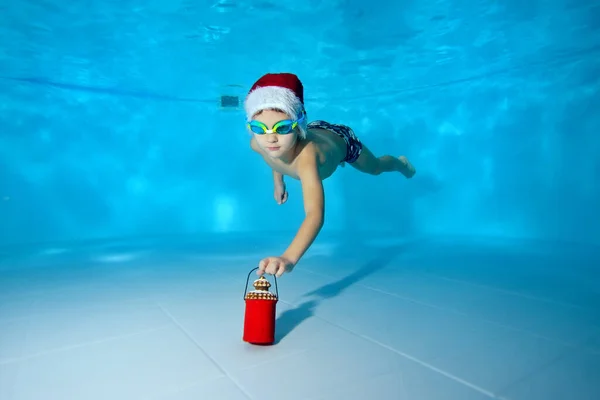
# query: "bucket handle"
248, 280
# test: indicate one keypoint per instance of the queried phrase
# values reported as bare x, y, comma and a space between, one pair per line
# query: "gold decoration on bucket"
262, 286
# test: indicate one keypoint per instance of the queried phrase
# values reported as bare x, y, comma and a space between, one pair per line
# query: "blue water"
122, 178
110, 123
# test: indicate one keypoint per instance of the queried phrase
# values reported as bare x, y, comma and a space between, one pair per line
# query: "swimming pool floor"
429, 319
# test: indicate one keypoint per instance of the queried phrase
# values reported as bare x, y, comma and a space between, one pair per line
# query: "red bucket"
259, 319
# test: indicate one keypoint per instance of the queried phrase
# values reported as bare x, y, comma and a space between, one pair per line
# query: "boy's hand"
274, 266
281, 194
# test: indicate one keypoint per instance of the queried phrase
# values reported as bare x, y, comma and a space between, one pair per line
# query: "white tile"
31, 281
86, 294
412, 382
85, 318
303, 285
14, 308
558, 322
196, 279
551, 273
218, 325
133, 367
9, 374
452, 342
84, 297
219, 389
334, 359
421, 331
501, 361
562, 323
592, 345
67, 327
575, 375
132, 286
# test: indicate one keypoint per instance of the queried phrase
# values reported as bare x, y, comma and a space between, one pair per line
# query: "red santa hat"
282, 91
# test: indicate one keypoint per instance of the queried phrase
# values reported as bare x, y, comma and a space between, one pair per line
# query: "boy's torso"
330, 151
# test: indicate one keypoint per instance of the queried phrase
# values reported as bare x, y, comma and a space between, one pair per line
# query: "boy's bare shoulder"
308, 153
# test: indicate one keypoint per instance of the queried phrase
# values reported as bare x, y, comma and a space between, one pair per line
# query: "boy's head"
280, 92
276, 144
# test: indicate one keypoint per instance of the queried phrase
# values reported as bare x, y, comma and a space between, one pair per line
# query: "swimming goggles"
282, 127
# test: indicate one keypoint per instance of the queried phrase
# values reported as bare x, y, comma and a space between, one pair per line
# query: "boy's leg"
369, 164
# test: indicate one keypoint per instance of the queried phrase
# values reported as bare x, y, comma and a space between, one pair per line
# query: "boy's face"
275, 145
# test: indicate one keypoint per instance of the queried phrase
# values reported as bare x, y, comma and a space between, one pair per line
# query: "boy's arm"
314, 206
277, 178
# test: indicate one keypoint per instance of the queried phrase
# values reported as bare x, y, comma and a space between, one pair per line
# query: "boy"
309, 152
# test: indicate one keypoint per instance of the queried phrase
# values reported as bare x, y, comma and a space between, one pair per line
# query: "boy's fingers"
272, 268
262, 265
280, 270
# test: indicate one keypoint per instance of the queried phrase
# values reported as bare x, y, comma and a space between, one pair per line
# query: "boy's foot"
407, 168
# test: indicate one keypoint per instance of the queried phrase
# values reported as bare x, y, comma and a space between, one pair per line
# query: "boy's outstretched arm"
314, 209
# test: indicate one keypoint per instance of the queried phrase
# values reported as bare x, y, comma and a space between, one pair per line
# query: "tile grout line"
549, 363
409, 357
195, 342
90, 308
487, 321
182, 388
274, 359
543, 367
449, 310
506, 291
75, 346
483, 286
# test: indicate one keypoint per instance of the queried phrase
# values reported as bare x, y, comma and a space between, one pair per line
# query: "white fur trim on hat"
277, 97
265, 97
